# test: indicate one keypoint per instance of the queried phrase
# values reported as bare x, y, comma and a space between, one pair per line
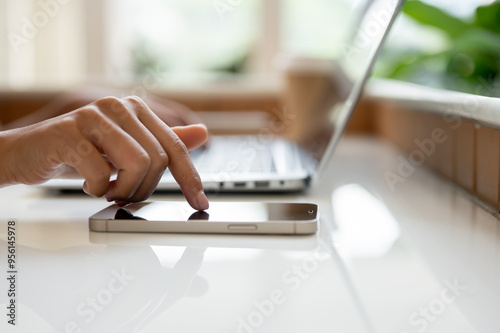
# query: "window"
63, 42
183, 36
68, 42
43, 42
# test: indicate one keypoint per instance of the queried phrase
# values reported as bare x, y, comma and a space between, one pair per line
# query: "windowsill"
478, 108
200, 85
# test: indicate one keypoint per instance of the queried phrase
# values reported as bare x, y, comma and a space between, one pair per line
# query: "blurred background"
60, 43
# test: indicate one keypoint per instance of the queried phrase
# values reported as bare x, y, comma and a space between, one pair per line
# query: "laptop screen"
331, 91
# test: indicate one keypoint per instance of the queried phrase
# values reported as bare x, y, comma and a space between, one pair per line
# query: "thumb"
193, 136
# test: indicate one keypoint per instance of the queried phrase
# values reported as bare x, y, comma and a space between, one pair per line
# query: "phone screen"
218, 212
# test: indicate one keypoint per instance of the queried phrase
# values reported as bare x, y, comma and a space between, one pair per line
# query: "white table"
423, 258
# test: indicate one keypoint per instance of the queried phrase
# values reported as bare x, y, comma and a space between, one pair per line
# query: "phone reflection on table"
106, 291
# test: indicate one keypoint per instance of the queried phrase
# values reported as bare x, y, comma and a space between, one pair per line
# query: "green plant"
469, 63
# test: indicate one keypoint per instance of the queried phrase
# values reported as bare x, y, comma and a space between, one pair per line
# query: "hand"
109, 135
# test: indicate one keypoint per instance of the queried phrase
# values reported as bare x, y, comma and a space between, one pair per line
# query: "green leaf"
435, 17
489, 17
478, 40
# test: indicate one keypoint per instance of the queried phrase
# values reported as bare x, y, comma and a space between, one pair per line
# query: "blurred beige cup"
312, 87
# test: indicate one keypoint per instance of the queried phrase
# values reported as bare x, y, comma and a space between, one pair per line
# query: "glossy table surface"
422, 257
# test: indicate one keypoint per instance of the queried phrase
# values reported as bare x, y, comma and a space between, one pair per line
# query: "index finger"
180, 163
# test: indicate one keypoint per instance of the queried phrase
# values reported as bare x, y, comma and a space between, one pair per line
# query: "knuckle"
137, 104
109, 100
142, 163
113, 105
135, 100
160, 161
91, 114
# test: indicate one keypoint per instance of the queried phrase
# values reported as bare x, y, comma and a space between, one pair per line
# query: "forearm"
57, 107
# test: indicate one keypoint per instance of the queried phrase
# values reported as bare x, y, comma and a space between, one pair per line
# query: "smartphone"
221, 217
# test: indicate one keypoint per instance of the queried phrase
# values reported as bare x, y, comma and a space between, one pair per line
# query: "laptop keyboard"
235, 155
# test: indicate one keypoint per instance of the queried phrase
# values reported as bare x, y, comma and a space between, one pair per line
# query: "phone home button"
242, 227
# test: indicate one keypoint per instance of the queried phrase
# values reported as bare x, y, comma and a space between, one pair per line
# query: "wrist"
10, 169
5, 159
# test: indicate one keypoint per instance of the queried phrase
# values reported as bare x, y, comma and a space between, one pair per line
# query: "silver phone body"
221, 217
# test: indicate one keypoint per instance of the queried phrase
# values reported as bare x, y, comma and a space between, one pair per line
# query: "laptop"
264, 163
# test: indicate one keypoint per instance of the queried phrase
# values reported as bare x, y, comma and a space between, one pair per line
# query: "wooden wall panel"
464, 157
488, 165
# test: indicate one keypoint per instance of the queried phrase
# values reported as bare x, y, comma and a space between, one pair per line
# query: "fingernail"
201, 201
110, 195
